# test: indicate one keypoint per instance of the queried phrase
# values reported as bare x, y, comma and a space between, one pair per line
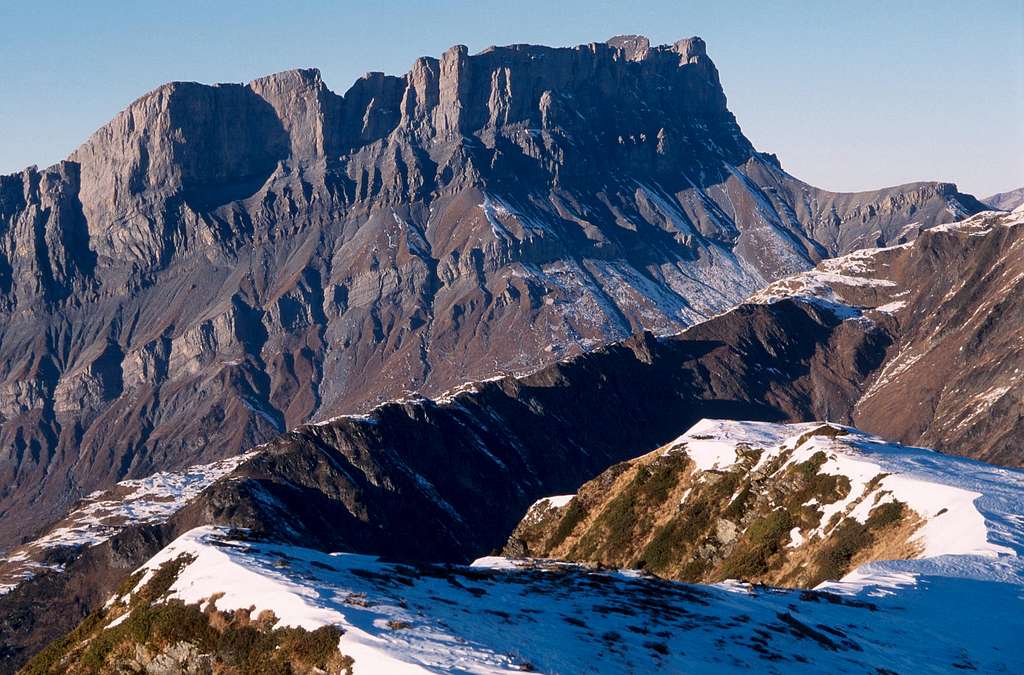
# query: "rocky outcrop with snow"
793, 505
103, 514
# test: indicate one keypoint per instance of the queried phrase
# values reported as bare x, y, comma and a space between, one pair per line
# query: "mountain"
1006, 201
217, 600
219, 264
447, 480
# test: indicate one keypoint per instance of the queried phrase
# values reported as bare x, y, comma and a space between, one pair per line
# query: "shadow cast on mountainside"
232, 142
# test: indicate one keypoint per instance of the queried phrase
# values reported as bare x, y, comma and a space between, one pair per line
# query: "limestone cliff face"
220, 263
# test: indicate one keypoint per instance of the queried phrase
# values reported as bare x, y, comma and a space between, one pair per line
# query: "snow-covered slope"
102, 514
789, 504
506, 614
969, 511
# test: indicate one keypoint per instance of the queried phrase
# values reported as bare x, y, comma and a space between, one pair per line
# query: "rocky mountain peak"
691, 49
635, 47
215, 144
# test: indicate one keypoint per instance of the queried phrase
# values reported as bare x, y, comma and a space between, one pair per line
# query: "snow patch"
103, 514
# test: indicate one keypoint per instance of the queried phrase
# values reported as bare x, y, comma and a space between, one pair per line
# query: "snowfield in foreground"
506, 616
959, 606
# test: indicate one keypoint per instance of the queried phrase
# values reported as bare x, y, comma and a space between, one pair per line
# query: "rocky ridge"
896, 534
953, 377
448, 480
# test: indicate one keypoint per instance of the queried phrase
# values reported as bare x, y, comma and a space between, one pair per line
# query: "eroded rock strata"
221, 263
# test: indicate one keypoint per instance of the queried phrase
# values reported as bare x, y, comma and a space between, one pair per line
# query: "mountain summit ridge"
275, 253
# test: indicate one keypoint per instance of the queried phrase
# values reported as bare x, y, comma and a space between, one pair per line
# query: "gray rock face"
220, 263
1005, 201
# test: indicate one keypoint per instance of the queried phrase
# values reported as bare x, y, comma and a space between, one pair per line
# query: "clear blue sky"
850, 95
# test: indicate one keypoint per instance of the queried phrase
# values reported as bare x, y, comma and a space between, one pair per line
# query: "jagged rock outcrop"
766, 503
221, 263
